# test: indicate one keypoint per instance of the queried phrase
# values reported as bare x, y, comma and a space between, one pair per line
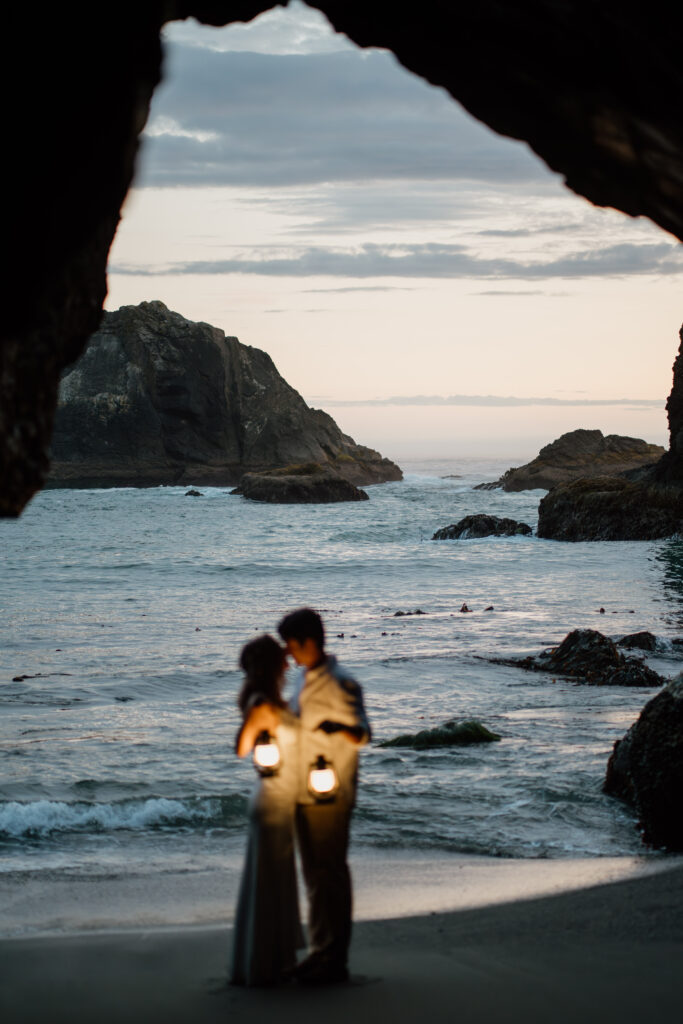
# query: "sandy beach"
610, 952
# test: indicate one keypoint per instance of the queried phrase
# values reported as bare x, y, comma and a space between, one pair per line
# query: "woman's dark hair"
263, 662
301, 625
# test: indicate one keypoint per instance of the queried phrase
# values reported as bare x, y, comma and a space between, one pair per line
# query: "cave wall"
594, 87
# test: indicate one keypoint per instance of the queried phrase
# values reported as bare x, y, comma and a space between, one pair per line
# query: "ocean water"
123, 612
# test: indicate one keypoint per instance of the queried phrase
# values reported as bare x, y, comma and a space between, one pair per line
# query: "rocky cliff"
580, 454
158, 399
610, 508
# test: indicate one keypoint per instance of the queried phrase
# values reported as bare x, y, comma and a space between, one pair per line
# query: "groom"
329, 703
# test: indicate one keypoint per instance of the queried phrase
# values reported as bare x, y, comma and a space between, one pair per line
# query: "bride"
267, 924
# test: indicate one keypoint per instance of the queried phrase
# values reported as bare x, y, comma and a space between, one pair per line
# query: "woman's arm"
260, 718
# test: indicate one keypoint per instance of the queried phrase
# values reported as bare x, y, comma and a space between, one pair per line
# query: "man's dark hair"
301, 625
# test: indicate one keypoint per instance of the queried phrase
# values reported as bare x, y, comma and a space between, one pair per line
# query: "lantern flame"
267, 755
322, 780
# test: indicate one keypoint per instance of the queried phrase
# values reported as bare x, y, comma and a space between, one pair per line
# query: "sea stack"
579, 454
158, 399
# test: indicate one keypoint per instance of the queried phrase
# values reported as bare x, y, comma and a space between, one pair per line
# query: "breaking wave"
45, 817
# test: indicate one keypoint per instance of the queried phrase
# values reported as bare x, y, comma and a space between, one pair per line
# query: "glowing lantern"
266, 755
322, 780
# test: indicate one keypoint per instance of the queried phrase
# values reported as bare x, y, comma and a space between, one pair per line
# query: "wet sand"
611, 952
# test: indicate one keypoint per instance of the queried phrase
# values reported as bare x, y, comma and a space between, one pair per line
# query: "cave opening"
610, 124
407, 268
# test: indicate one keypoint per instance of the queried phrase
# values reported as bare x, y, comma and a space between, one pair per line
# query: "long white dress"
267, 924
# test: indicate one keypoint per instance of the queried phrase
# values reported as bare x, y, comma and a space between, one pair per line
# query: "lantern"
322, 780
266, 755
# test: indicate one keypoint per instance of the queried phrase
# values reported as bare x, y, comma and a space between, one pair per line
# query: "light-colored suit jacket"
329, 693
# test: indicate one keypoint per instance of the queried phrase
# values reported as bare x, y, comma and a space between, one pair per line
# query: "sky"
429, 283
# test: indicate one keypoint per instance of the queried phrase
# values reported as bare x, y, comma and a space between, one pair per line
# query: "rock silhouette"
579, 454
482, 525
588, 656
450, 734
645, 768
158, 399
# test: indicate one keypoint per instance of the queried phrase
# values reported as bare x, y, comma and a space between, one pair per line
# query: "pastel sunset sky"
430, 284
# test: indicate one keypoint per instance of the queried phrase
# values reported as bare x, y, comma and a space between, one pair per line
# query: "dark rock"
608, 123
314, 487
158, 399
579, 454
670, 469
464, 609
192, 493
452, 476
589, 656
450, 734
418, 611
610, 508
645, 768
482, 526
642, 641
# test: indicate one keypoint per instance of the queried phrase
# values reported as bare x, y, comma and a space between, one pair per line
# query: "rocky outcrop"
588, 656
646, 768
600, 107
669, 471
312, 485
642, 641
482, 526
450, 734
579, 454
610, 508
158, 399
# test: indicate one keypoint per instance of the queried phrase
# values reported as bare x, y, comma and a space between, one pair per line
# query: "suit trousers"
323, 840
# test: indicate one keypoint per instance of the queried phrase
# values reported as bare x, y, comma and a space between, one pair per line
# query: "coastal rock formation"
158, 399
646, 768
643, 641
610, 508
670, 470
590, 657
299, 485
482, 526
578, 454
450, 734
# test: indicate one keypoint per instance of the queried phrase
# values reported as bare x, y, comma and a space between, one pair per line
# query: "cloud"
359, 288
263, 119
296, 28
500, 401
537, 229
429, 260
510, 292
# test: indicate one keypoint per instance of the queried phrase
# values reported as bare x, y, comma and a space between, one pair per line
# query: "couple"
322, 728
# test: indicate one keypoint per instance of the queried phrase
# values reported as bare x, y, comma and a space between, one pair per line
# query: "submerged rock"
482, 526
579, 453
193, 493
450, 734
310, 485
158, 399
587, 655
645, 768
610, 508
643, 641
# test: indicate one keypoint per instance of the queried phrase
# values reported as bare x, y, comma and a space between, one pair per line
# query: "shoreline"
606, 953
388, 884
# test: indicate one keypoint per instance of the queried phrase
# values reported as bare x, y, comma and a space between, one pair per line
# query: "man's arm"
352, 721
355, 733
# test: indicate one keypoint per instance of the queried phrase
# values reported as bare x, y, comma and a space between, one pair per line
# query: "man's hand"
353, 733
